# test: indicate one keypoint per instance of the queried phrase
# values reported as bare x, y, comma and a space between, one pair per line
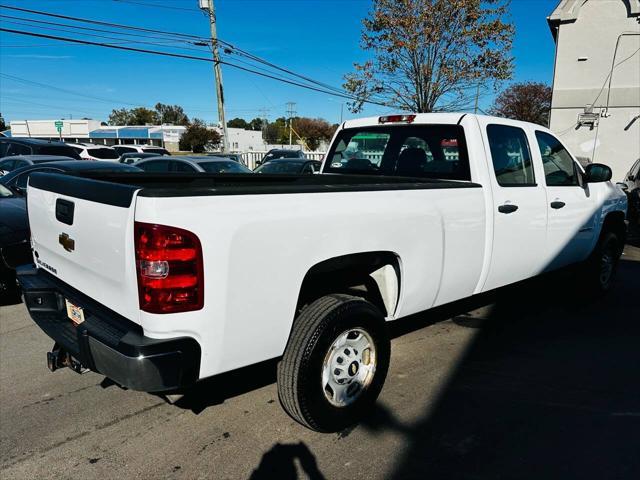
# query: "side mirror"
623, 186
596, 173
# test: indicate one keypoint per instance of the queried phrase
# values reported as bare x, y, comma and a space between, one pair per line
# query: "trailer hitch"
59, 358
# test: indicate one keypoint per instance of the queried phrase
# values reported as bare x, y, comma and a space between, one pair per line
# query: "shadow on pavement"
280, 463
548, 389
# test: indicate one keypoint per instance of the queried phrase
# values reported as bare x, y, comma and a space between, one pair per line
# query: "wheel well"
614, 222
374, 276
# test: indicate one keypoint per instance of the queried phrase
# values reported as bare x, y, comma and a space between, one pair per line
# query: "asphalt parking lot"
537, 381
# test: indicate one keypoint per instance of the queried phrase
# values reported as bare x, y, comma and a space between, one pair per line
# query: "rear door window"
103, 153
511, 156
155, 166
559, 168
177, 166
60, 150
18, 149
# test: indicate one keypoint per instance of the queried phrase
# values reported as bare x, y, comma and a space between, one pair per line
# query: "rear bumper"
106, 342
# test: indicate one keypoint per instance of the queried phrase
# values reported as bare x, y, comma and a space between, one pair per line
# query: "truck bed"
120, 187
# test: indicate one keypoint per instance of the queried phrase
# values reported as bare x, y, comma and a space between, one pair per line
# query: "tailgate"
82, 232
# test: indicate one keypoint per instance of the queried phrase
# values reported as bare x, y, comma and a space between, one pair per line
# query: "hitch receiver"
58, 358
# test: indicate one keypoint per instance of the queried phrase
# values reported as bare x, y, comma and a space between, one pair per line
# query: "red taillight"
169, 266
397, 119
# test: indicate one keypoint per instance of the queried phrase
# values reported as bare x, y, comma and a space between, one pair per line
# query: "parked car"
19, 161
14, 241
33, 146
290, 166
281, 153
121, 149
134, 157
17, 180
631, 186
165, 279
88, 151
236, 157
186, 164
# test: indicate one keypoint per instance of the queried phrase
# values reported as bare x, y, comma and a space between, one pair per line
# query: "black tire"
602, 264
300, 384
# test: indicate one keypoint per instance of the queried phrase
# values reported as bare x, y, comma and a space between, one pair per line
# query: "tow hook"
58, 358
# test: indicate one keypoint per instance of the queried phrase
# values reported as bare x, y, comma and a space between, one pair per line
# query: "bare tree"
430, 54
528, 101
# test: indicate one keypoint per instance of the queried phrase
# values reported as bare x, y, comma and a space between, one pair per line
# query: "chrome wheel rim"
349, 367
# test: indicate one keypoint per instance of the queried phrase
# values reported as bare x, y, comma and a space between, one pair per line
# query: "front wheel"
335, 364
603, 263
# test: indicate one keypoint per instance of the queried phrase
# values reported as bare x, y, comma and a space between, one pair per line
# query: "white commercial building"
596, 86
94, 131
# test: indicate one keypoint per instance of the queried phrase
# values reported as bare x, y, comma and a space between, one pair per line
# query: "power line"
108, 24
155, 5
188, 57
231, 48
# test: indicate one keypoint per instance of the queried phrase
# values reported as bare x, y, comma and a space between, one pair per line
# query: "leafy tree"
143, 116
313, 131
528, 101
256, 124
3, 125
120, 117
429, 54
198, 137
238, 123
173, 114
277, 132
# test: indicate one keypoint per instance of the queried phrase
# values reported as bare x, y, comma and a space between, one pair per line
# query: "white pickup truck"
160, 280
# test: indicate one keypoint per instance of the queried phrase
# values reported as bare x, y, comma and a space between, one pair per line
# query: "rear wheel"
335, 364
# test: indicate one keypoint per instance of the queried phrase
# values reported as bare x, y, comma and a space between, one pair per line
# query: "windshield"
280, 167
223, 167
103, 153
425, 151
5, 192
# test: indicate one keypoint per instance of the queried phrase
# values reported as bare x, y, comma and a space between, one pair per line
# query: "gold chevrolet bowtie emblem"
67, 242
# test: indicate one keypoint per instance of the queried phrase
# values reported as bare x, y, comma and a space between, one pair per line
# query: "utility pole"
475, 108
291, 112
263, 116
341, 111
208, 8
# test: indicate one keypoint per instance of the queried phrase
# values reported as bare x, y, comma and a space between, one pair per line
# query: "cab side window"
559, 168
511, 156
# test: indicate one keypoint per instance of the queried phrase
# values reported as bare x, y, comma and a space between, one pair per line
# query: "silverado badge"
67, 242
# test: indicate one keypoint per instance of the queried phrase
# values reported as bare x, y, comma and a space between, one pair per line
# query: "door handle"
507, 208
557, 204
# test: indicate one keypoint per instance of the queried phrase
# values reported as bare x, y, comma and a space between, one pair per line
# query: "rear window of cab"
423, 151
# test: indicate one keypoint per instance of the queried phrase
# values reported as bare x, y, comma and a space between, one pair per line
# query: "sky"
317, 38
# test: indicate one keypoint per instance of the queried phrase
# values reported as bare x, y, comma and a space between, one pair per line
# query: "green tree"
256, 124
173, 114
313, 131
120, 117
3, 125
238, 123
143, 116
527, 101
198, 137
429, 54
